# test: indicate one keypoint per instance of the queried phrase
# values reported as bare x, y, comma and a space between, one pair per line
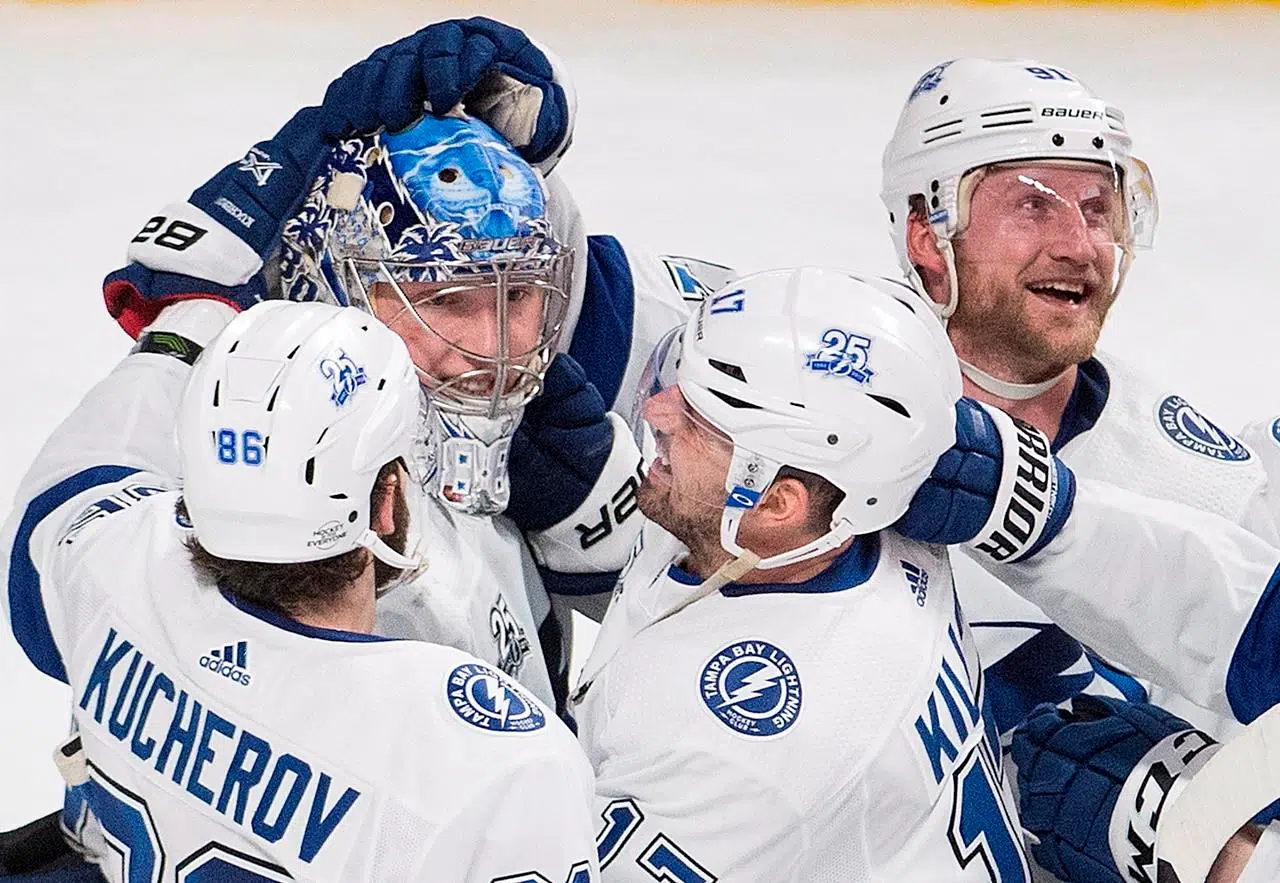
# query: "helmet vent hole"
310, 475
322, 435
293, 351
871, 501
944, 99
797, 404
232, 348
217, 388
892, 404
1058, 140
352, 516
382, 383
731, 401
725, 368
1097, 142
448, 175
891, 218
272, 402
337, 496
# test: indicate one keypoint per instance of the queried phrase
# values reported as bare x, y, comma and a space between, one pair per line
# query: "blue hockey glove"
559, 449
494, 70
574, 471
217, 243
999, 489
1092, 781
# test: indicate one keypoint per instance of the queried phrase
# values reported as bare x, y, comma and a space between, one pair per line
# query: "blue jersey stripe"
26, 604
1253, 678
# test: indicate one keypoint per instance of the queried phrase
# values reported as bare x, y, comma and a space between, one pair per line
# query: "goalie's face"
684, 489
1038, 261
469, 338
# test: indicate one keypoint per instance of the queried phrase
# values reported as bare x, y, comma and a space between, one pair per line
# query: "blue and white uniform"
222, 741
1184, 634
825, 730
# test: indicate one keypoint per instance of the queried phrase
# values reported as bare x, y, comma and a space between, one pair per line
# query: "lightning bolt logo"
484, 699
500, 698
753, 685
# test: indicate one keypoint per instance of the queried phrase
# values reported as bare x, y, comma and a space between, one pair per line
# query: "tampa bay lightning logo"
345, 376
1275, 430
843, 354
461, 171
752, 687
486, 699
1192, 430
927, 83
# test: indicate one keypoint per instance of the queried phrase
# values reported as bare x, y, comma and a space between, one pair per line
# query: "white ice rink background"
750, 135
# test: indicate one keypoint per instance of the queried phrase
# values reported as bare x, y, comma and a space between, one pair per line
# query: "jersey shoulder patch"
695, 278
752, 687
1185, 426
485, 699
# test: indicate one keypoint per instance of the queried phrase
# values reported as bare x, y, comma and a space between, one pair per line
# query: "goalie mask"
286, 422
850, 379
971, 118
441, 231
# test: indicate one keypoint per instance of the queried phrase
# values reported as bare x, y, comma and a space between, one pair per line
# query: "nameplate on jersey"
753, 688
486, 699
166, 728
1188, 428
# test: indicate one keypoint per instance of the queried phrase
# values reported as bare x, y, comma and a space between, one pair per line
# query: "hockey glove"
1093, 780
574, 472
494, 70
215, 244
999, 489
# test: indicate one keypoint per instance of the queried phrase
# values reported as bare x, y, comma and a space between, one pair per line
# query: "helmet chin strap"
1005, 389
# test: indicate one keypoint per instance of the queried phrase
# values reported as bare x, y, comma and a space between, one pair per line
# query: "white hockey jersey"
825, 731
1122, 429
223, 741
1176, 514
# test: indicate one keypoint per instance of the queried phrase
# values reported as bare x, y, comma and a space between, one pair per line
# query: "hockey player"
235, 717
285, 222
1016, 207
783, 690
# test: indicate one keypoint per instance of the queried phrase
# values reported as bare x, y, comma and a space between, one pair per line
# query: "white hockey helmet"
849, 378
973, 112
285, 423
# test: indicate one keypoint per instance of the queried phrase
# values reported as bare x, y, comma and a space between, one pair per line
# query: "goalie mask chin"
467, 456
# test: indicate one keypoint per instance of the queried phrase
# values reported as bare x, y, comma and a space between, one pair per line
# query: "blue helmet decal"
438, 198
463, 172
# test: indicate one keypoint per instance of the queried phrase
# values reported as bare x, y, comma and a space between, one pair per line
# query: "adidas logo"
231, 661
917, 581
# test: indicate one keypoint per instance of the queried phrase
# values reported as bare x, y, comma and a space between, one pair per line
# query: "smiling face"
1038, 265
684, 489
452, 329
